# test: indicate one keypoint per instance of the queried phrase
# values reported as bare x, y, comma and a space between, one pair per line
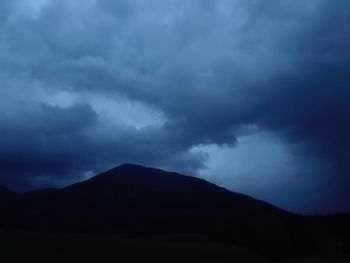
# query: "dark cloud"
309, 105
40, 140
43, 144
208, 68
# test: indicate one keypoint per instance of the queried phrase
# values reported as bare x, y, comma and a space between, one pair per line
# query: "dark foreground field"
52, 247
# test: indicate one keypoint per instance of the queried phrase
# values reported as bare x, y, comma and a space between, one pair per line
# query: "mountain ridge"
136, 200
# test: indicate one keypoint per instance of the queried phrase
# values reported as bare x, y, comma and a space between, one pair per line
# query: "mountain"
140, 201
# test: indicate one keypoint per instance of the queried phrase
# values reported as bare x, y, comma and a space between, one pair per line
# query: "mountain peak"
130, 166
138, 174
147, 188
129, 169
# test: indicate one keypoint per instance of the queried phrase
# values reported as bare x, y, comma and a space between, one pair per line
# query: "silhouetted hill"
135, 200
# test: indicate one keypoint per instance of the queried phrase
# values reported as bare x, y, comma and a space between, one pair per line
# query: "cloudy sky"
252, 95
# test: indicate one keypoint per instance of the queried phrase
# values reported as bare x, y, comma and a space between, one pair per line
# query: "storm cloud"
86, 85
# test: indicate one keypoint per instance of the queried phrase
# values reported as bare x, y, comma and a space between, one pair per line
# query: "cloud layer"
89, 84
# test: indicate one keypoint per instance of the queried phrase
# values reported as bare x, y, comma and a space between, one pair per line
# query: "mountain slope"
132, 199
135, 200
151, 187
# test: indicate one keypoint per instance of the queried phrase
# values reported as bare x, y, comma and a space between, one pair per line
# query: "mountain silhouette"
140, 201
